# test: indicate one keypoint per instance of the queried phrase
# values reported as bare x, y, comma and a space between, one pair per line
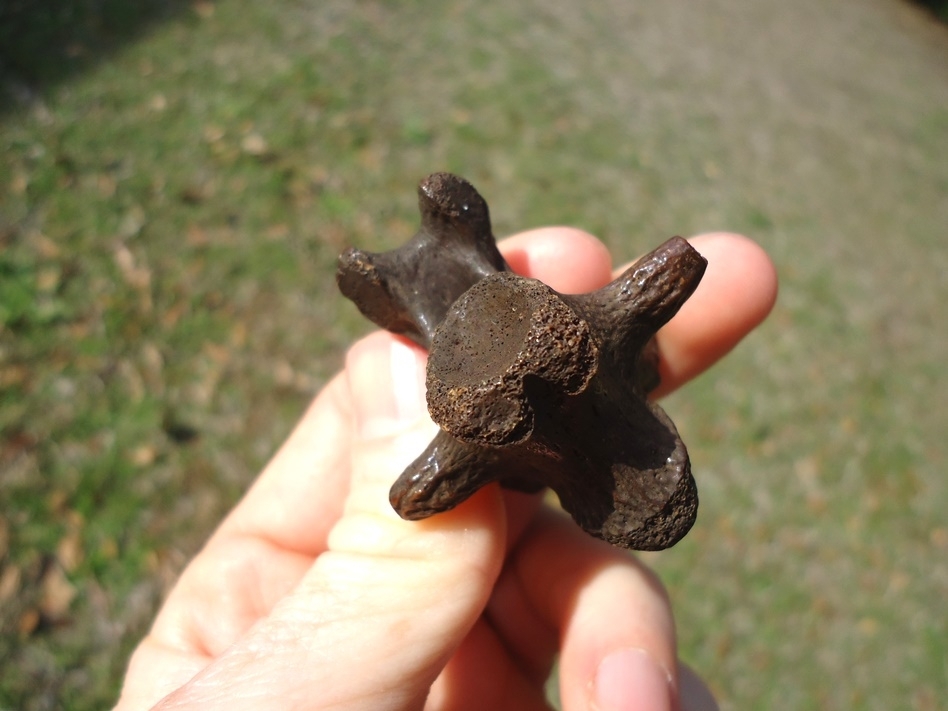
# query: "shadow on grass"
45, 42
939, 8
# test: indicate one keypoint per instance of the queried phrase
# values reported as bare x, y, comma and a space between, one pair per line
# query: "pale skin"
314, 594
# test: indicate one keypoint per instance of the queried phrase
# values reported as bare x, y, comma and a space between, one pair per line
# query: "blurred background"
177, 178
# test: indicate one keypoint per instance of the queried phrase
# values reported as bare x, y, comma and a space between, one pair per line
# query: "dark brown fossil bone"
409, 290
530, 387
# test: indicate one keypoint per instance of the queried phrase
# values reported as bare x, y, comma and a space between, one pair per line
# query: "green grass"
177, 181
939, 8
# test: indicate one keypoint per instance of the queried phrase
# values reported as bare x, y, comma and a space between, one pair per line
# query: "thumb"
377, 616
430, 579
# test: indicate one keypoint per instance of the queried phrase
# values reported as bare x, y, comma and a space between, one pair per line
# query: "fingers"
568, 260
323, 498
299, 496
153, 671
609, 616
397, 596
736, 293
376, 575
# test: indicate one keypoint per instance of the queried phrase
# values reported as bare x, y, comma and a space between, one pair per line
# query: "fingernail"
631, 680
388, 390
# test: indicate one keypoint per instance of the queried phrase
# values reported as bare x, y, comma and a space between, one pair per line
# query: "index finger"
737, 292
298, 498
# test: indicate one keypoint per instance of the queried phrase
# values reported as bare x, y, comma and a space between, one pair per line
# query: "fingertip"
385, 375
746, 265
612, 614
567, 259
630, 678
737, 292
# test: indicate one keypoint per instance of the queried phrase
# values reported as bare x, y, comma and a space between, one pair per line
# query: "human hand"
314, 594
